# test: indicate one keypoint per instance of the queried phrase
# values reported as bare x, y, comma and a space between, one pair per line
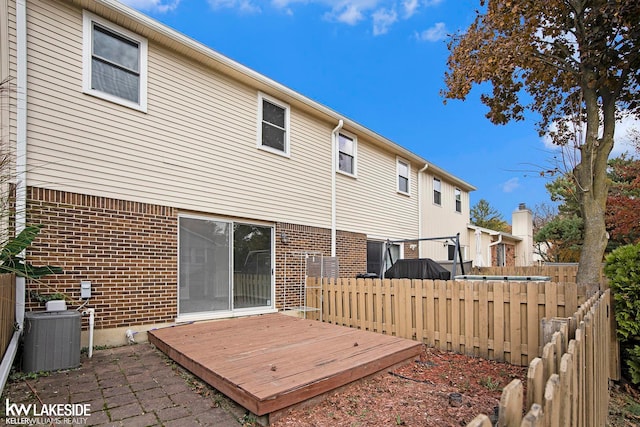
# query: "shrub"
623, 271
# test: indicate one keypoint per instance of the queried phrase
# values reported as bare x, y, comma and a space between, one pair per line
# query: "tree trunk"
595, 239
592, 186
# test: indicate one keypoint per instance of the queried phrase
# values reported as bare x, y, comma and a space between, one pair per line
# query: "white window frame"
458, 199
439, 191
87, 51
353, 138
287, 125
399, 161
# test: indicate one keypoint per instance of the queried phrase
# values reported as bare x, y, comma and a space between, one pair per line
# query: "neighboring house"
492, 248
181, 183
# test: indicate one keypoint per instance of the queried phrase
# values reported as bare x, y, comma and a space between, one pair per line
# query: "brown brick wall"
411, 253
351, 249
510, 255
127, 250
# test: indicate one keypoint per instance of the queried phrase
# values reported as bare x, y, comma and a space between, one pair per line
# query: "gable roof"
153, 30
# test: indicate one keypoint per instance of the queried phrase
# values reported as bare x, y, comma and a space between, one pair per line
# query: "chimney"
522, 227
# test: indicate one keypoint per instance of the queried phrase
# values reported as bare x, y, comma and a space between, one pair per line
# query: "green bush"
623, 271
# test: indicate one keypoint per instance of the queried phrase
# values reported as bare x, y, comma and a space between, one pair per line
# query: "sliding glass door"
223, 266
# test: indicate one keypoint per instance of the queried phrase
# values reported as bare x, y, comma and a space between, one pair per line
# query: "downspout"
424, 168
334, 155
489, 250
21, 140
21, 177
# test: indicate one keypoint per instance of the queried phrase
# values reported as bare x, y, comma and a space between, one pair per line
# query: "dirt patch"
437, 389
624, 405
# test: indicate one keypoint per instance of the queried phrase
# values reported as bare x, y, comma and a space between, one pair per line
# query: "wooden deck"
270, 362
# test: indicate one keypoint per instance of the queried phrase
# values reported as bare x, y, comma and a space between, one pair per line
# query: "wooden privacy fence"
568, 385
494, 320
7, 310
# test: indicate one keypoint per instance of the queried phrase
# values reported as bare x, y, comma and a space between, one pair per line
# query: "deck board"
270, 362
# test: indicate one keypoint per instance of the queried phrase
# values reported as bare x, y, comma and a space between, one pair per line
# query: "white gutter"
21, 176
424, 168
334, 160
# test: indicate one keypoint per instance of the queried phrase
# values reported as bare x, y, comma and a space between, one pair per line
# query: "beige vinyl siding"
8, 99
194, 149
443, 220
371, 203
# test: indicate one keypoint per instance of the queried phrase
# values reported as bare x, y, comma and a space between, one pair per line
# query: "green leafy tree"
562, 237
575, 63
484, 215
563, 234
622, 268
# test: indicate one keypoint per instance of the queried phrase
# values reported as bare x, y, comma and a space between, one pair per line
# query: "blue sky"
380, 63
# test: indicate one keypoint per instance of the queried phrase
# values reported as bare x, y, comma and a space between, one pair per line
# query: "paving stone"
127, 411
152, 393
177, 388
181, 422
98, 417
141, 420
120, 400
120, 380
114, 391
218, 418
172, 413
156, 403
146, 385
86, 395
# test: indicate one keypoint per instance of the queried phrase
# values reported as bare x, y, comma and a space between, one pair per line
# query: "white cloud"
153, 5
382, 13
623, 142
511, 185
436, 33
350, 14
410, 7
244, 6
382, 20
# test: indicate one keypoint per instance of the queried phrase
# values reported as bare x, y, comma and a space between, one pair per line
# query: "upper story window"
347, 152
114, 63
273, 131
403, 170
437, 191
458, 195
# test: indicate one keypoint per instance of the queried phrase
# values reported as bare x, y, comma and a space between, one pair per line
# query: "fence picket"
551, 406
442, 314
511, 404
535, 382
534, 417
566, 389
419, 304
469, 318
455, 316
515, 326
498, 321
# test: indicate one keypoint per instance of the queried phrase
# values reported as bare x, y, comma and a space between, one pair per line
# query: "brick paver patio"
129, 386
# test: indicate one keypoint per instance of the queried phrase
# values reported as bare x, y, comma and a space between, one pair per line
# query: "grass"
490, 383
